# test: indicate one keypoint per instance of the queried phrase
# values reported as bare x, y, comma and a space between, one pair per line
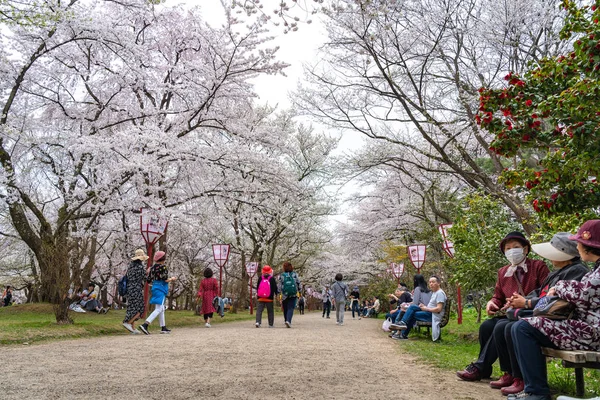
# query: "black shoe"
164, 329
144, 328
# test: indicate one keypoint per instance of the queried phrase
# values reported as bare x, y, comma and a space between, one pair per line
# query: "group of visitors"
87, 300
514, 336
426, 304
286, 286
136, 278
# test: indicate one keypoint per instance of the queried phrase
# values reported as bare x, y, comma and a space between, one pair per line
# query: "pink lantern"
447, 245
221, 255
398, 270
251, 268
417, 254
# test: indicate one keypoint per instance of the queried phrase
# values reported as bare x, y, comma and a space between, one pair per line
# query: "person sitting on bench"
432, 312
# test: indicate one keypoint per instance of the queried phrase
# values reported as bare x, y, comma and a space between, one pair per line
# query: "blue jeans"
355, 308
528, 342
412, 315
288, 308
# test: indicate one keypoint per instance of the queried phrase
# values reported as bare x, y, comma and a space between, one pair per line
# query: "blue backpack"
122, 286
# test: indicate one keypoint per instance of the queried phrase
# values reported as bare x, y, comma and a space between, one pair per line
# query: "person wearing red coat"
207, 291
522, 276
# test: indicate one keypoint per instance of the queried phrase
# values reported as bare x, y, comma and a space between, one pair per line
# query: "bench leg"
579, 383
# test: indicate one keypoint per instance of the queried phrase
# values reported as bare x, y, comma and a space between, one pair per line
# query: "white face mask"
515, 256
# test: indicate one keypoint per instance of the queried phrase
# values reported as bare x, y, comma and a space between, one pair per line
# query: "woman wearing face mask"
522, 275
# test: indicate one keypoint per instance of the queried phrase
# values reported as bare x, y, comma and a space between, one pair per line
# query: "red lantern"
397, 270
417, 254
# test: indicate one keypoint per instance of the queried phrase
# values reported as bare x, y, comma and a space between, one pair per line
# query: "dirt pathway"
315, 359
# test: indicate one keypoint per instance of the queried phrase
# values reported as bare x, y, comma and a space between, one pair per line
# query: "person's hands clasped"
491, 308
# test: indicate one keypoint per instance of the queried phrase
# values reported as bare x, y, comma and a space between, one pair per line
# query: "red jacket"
537, 271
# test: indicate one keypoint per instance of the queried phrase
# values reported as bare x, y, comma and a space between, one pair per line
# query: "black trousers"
506, 349
488, 351
327, 307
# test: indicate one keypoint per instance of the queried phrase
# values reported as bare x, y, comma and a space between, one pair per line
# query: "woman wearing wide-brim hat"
522, 275
580, 333
563, 254
136, 274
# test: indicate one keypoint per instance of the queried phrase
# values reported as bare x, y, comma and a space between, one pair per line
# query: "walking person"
326, 301
7, 296
136, 274
290, 287
355, 302
301, 302
340, 292
266, 289
159, 277
208, 290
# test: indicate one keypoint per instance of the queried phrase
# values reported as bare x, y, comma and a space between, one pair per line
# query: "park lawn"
459, 347
33, 323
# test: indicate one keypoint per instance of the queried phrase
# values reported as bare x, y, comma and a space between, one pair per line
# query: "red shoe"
471, 373
504, 381
517, 386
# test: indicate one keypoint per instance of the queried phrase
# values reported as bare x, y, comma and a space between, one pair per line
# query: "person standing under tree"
301, 302
207, 291
266, 289
340, 292
354, 302
159, 277
290, 287
326, 301
136, 273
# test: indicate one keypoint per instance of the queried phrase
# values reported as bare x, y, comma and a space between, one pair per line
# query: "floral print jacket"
583, 331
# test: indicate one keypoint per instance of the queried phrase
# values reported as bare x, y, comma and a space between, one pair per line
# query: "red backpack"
264, 287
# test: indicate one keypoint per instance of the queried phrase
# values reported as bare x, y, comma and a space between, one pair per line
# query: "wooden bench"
444, 322
577, 359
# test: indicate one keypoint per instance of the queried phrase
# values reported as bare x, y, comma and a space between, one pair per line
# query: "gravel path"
315, 359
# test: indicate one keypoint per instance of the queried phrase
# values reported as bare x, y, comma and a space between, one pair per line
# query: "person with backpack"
208, 290
290, 287
266, 289
159, 277
136, 274
340, 292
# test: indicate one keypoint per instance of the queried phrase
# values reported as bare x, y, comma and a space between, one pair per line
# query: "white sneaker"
337, 323
207, 325
341, 324
353, 318
257, 325
128, 327
288, 324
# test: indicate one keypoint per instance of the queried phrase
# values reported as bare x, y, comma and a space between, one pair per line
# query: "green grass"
33, 323
459, 347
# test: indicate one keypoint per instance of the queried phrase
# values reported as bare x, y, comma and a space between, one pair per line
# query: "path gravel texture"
315, 359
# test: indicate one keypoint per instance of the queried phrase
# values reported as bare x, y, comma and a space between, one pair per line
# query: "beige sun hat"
140, 254
560, 248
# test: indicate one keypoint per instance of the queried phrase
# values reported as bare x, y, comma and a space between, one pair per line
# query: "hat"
140, 255
516, 235
355, 287
159, 255
589, 234
267, 269
559, 248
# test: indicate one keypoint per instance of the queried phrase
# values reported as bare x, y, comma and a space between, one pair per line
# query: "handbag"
553, 307
386, 324
515, 314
